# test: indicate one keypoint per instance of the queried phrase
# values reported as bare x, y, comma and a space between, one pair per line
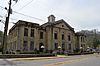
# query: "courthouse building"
27, 36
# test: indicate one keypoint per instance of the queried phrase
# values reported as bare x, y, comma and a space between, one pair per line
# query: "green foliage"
0, 49
1, 34
25, 55
1, 38
92, 37
0, 53
26, 52
77, 50
96, 43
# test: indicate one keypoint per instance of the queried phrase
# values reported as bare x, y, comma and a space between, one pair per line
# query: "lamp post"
59, 49
42, 47
81, 49
88, 47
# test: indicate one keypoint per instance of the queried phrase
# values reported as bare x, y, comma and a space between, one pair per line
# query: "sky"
80, 14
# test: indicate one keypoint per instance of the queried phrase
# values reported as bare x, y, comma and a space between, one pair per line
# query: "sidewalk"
40, 58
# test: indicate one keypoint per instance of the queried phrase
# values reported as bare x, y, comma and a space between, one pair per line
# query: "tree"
1, 38
96, 43
93, 37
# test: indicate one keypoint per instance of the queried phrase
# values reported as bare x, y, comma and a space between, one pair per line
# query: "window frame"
31, 45
32, 33
25, 31
55, 35
41, 35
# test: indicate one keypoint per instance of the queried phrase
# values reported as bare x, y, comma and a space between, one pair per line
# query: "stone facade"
27, 36
81, 41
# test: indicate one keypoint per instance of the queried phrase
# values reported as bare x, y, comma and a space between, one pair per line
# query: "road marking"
66, 62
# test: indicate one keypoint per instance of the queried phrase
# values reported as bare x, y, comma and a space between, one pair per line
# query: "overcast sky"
80, 14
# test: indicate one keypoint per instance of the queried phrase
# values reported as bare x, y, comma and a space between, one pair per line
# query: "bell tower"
51, 18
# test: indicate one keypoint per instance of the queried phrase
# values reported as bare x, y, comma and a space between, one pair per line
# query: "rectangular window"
55, 35
25, 46
62, 36
41, 35
69, 38
56, 45
25, 32
69, 46
83, 39
31, 45
63, 46
14, 44
32, 32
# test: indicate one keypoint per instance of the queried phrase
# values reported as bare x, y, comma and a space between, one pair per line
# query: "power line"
26, 4
15, 3
2, 7
2, 21
26, 15
1, 16
10, 17
29, 16
13, 18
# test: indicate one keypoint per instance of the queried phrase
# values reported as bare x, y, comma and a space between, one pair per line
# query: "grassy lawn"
61, 55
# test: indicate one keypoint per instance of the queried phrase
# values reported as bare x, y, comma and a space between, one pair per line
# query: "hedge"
83, 53
25, 55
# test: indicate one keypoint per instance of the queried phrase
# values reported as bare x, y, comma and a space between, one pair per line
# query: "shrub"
77, 50
27, 52
25, 55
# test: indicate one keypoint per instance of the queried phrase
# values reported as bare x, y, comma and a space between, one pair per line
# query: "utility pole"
95, 38
4, 45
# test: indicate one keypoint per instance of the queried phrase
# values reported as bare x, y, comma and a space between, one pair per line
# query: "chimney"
51, 18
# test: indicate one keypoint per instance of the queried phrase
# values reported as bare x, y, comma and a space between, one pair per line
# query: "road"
81, 60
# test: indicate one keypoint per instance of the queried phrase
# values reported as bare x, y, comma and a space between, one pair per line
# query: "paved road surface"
83, 60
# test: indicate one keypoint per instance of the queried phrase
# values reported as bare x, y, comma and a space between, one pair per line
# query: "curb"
40, 58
